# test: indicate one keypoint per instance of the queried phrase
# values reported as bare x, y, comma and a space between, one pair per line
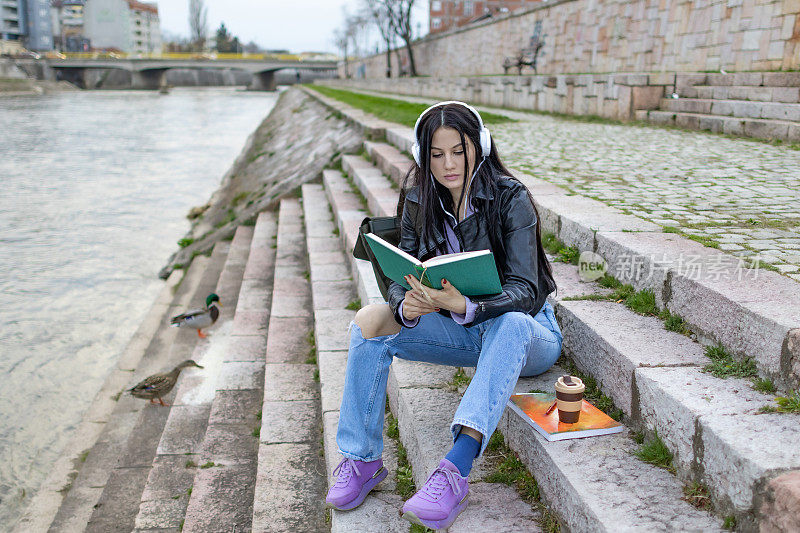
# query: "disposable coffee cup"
569, 398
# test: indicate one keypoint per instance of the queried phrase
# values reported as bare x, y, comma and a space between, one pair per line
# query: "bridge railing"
187, 56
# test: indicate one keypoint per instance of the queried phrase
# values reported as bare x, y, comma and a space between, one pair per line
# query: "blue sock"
464, 451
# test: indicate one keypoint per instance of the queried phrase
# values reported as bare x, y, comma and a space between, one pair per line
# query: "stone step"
581, 511
750, 127
105, 425
118, 504
229, 391
417, 391
333, 290
785, 94
789, 112
390, 160
290, 482
165, 496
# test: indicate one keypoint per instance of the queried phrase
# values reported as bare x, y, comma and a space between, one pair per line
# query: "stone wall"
601, 36
614, 96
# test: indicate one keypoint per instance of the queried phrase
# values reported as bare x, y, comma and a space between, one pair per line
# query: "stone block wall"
614, 96
601, 36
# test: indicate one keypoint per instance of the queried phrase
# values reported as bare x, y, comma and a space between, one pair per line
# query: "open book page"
448, 258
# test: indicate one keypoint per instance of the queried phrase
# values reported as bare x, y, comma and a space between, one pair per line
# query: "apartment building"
448, 14
25, 23
125, 25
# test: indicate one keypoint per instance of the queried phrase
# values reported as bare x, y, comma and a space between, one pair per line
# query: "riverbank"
292, 145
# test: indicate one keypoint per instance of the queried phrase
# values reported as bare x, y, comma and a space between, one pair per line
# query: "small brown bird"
159, 385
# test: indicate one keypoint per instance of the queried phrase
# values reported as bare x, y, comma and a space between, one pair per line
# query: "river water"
94, 189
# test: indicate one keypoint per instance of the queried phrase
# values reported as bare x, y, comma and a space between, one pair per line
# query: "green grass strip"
389, 109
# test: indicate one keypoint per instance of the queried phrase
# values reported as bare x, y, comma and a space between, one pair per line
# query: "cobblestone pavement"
742, 195
738, 194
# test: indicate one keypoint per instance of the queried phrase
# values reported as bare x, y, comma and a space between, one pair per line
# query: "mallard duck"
160, 384
200, 318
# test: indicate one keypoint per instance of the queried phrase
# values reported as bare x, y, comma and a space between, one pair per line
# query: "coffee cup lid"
570, 381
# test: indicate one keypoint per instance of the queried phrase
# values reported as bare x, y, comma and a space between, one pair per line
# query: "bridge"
150, 73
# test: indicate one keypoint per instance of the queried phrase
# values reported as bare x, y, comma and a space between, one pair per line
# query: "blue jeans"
501, 349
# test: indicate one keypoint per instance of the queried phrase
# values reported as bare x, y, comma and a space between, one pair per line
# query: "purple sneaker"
437, 504
354, 480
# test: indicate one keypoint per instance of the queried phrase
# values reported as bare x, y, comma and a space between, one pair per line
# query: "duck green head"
211, 298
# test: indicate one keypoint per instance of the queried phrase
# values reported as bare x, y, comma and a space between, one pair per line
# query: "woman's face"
447, 159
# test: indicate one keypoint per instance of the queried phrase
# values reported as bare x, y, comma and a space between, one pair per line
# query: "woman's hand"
415, 305
447, 298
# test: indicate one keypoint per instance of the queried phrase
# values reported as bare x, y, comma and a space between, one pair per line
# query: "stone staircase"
764, 105
714, 427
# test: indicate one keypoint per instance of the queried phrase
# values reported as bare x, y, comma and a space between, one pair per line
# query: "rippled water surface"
94, 188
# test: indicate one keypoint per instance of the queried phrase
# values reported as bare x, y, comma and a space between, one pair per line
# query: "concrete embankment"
15, 81
291, 147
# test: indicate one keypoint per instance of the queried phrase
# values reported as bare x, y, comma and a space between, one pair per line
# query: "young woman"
462, 198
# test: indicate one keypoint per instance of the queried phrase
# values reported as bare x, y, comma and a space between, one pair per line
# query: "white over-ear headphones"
485, 137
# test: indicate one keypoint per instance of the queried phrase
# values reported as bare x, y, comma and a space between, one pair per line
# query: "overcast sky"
296, 25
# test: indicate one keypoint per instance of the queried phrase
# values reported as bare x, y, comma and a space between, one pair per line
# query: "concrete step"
222, 475
333, 290
417, 392
165, 495
118, 504
750, 127
789, 112
105, 425
290, 482
390, 160
785, 94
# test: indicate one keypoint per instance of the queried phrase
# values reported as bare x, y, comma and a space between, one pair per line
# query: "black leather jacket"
525, 281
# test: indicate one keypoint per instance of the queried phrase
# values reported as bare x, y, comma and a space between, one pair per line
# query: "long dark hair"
488, 173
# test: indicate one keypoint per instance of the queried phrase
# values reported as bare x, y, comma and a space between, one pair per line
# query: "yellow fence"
180, 56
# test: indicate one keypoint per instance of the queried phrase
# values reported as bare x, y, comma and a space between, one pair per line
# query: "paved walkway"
745, 195
742, 194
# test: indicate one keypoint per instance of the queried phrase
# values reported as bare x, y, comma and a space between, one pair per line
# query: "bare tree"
198, 23
400, 13
346, 38
381, 18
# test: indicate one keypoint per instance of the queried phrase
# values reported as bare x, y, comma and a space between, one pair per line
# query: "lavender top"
452, 247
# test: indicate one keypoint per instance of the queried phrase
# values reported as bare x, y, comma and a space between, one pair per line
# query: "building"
25, 23
123, 25
68, 30
448, 14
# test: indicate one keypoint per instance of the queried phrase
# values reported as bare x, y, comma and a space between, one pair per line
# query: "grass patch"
399, 111
186, 241
239, 197
729, 523
116, 396
509, 470
316, 375
593, 392
257, 431
723, 365
764, 385
259, 415
404, 475
756, 264
190, 464
460, 379
355, 190
697, 495
563, 253
82, 457
311, 358
355, 305
673, 322
335, 231
209, 464
642, 302
656, 453
789, 404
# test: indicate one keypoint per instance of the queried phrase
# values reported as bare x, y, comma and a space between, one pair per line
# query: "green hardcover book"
472, 273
